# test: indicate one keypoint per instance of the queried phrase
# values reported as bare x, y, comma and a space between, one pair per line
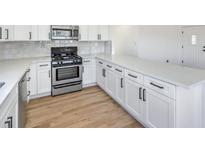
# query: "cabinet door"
44, 32
6, 32
88, 74
110, 83
159, 110
44, 81
93, 33
120, 89
84, 33
103, 32
100, 76
25, 32
33, 80
132, 98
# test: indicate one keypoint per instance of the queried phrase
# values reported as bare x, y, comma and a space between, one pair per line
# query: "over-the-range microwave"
64, 32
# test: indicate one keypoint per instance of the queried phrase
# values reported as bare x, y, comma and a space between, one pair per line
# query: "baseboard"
40, 95
89, 85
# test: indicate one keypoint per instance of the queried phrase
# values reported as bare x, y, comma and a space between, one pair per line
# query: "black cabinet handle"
160, 87
132, 76
29, 93
43, 65
203, 50
118, 70
144, 95
86, 61
8, 123
121, 82
140, 93
109, 66
100, 62
11, 121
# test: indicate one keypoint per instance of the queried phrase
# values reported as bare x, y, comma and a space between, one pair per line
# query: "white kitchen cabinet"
6, 32
93, 33
25, 32
103, 32
9, 110
98, 33
110, 84
100, 74
32, 84
159, 110
83, 32
133, 97
44, 32
43, 77
120, 89
89, 73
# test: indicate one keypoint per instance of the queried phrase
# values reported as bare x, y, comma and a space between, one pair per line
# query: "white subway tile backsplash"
13, 50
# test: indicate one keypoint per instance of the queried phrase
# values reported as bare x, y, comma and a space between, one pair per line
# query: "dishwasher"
22, 101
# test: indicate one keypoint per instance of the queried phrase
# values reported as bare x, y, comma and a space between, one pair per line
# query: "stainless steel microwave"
64, 32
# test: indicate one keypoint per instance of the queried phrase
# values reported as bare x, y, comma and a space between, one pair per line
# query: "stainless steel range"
66, 70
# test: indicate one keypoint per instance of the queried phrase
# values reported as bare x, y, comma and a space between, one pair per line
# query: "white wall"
149, 42
124, 39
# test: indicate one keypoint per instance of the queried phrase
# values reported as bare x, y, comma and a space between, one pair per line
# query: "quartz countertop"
182, 76
11, 72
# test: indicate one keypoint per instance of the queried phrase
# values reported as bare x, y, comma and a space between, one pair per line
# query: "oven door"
66, 74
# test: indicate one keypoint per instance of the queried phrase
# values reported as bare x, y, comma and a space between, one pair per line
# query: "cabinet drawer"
44, 65
87, 61
134, 76
160, 86
119, 70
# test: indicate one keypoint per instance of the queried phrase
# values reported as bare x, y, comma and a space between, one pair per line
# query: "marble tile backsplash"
13, 50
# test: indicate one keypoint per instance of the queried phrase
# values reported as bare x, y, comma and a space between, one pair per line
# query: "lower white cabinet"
44, 84
133, 97
120, 89
153, 106
40, 79
9, 110
110, 84
89, 71
100, 74
159, 110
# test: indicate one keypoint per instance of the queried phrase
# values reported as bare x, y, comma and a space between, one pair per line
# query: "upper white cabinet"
25, 32
44, 32
98, 33
83, 32
6, 32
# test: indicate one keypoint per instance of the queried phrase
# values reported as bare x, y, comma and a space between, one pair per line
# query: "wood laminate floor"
89, 108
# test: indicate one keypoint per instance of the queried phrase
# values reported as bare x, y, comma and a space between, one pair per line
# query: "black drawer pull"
43, 65
160, 87
109, 66
121, 82
86, 61
100, 62
140, 93
132, 76
118, 70
144, 95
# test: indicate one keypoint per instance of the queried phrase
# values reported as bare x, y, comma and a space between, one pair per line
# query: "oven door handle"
67, 66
